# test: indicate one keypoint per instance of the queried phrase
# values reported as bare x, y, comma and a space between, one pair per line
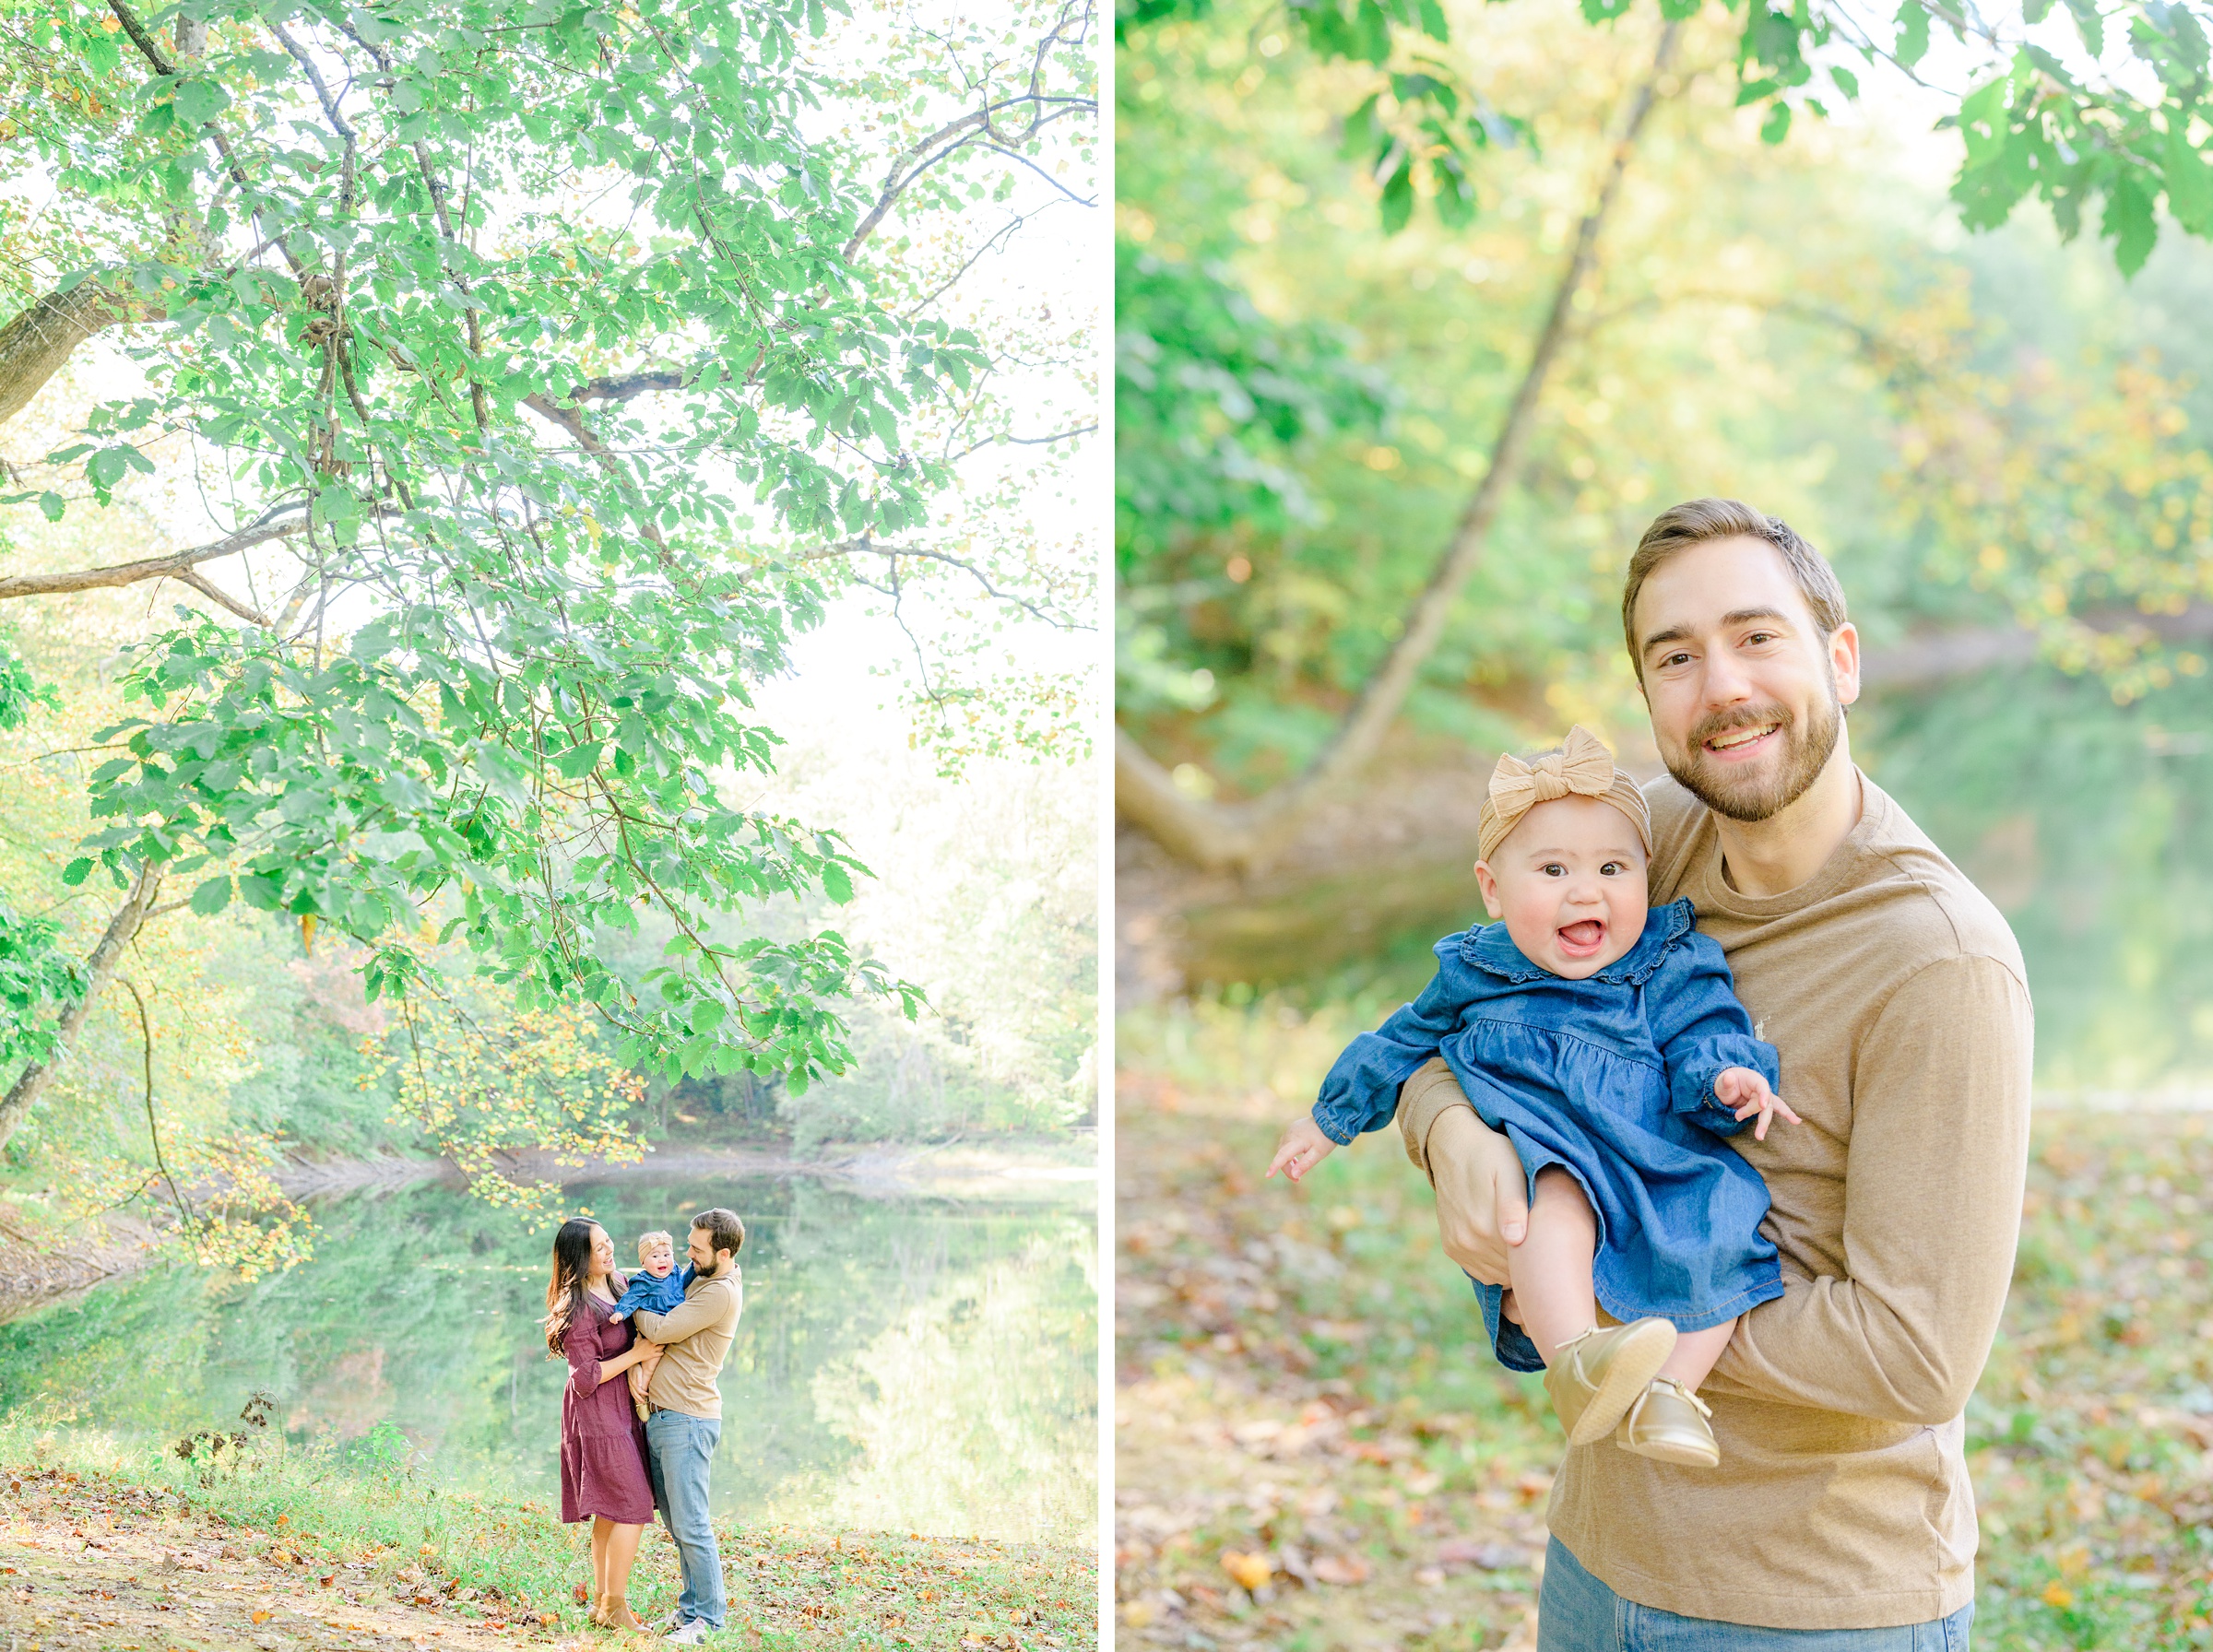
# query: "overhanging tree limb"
151, 51
121, 929
624, 386
279, 523
1245, 833
864, 545
980, 124
1924, 660
251, 616
571, 420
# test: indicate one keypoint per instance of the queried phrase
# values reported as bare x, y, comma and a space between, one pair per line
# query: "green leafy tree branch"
542, 362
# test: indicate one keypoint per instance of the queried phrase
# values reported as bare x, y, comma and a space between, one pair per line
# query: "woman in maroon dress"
603, 1475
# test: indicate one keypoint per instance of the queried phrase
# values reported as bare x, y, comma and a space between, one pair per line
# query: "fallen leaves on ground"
889, 1590
1306, 1452
1315, 1445
92, 1564
96, 1565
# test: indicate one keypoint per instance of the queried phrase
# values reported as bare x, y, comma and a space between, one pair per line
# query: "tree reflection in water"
903, 1362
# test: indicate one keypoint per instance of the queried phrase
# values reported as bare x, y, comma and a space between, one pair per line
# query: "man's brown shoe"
1668, 1422
1597, 1376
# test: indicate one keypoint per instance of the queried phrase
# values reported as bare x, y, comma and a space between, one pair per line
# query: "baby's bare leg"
1696, 1352
1551, 1268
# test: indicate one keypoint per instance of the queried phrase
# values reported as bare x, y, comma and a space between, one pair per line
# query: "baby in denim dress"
656, 1288
1606, 1041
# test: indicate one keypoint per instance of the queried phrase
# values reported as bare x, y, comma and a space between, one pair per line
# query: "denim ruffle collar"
1491, 949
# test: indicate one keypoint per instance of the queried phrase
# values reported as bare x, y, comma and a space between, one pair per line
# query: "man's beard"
1755, 798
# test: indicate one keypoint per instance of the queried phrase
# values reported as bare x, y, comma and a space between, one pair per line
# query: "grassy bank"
1316, 1450
110, 1545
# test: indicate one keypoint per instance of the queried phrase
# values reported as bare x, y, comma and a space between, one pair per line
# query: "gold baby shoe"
1668, 1422
1596, 1378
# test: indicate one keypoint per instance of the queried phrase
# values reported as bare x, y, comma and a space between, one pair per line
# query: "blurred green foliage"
1986, 433
2126, 128
1797, 325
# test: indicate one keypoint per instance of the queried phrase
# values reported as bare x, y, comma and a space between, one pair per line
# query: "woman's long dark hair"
572, 1267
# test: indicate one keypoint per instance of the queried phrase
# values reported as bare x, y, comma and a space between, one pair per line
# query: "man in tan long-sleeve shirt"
686, 1420
1898, 999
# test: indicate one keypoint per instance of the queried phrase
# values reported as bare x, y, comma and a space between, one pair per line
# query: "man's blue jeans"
679, 1450
1577, 1613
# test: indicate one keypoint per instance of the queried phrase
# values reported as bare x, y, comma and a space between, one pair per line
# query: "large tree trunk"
34, 345
1248, 833
32, 1081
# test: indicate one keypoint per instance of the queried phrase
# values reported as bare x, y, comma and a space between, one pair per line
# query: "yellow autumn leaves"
487, 1084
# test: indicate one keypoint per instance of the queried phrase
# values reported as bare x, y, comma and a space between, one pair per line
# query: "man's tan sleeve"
1423, 1098
695, 1313
1934, 1175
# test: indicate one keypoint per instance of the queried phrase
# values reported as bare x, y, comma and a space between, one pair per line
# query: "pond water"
903, 1361
2088, 823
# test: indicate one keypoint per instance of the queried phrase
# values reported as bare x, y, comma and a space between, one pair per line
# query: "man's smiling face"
1747, 695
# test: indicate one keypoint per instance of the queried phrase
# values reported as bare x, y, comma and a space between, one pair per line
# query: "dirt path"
88, 1567
92, 1564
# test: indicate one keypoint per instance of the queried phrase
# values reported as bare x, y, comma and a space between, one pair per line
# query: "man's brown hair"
723, 1231
1697, 520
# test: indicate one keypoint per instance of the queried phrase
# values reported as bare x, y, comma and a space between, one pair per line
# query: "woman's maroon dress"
602, 1442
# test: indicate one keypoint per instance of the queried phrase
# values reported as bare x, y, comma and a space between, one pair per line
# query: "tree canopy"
1654, 266
2102, 112
540, 372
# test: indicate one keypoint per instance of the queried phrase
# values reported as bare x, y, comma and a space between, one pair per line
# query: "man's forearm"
695, 1313
1934, 1175
1428, 1093
658, 1327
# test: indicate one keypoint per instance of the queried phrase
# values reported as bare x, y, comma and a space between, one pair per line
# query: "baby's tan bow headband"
1582, 767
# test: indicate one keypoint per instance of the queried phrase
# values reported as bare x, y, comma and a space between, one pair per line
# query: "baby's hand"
1747, 1092
1303, 1147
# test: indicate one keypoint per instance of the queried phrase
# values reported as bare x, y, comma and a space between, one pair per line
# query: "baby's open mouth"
1579, 940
